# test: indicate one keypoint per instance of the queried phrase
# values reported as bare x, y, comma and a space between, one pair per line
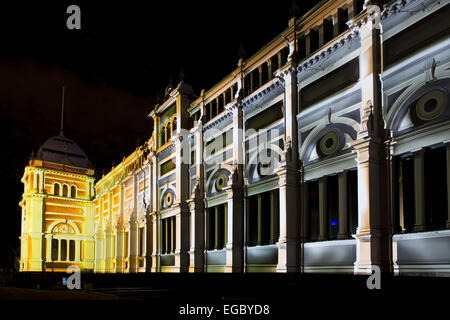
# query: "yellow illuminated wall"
57, 217
118, 194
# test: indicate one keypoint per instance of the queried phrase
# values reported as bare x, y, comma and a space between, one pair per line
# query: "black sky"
113, 68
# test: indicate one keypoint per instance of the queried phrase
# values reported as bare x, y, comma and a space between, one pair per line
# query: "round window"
431, 105
221, 182
328, 144
169, 199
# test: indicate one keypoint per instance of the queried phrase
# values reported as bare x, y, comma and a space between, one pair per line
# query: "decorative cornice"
285, 71
166, 149
394, 8
223, 116
260, 93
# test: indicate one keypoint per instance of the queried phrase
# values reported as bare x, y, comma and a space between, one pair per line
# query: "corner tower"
57, 226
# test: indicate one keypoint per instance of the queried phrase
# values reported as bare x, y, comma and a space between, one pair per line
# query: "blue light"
334, 222
64, 281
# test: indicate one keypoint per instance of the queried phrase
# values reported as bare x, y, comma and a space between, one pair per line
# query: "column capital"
289, 69
368, 19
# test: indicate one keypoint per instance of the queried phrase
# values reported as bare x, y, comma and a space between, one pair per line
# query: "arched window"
163, 135
56, 189
65, 190
73, 192
174, 126
169, 131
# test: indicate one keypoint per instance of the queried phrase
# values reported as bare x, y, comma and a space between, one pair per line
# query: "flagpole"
61, 132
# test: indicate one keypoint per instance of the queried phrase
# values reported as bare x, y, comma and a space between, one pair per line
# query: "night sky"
112, 69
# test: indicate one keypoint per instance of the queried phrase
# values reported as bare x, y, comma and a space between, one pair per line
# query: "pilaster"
235, 192
374, 239
289, 175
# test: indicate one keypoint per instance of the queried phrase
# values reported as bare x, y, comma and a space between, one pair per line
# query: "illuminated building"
57, 208
356, 123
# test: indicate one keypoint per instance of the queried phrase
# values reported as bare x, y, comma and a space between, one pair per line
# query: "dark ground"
288, 296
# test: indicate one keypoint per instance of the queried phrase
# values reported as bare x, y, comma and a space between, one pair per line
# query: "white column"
289, 177
373, 238
119, 256
155, 207
59, 249
235, 205
148, 250
133, 260
181, 231
35, 181
77, 250
48, 251
109, 237
42, 184
198, 206
156, 242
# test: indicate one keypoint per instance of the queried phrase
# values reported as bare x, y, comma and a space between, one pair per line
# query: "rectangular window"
216, 221
357, 6
331, 83
313, 40
313, 210
71, 250
408, 200
163, 236
168, 228
333, 207
63, 250
193, 158
352, 200
265, 118
263, 218
166, 167
301, 47
55, 249
141, 241
274, 63
436, 188
342, 19
327, 30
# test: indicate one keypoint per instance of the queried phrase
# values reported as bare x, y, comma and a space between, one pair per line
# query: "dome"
59, 149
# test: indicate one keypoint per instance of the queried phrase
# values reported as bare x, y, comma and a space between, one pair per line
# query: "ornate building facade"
326, 151
57, 208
